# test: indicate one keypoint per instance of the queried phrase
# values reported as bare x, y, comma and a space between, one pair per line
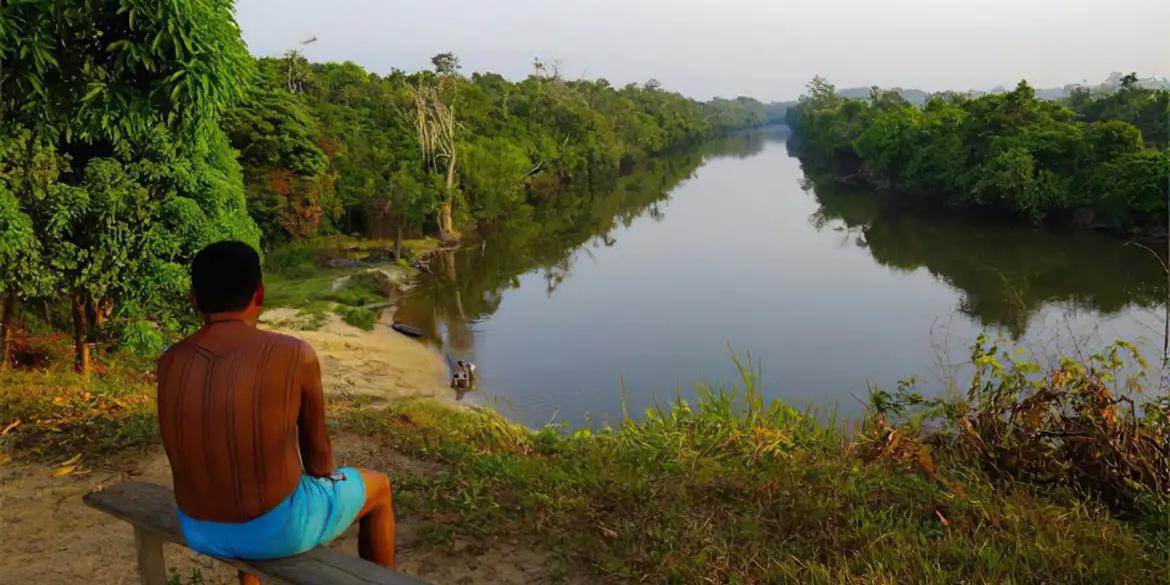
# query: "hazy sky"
763, 48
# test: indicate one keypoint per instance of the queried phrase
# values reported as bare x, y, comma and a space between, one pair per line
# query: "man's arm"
316, 452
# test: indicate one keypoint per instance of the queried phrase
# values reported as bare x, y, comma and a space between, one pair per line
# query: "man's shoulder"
257, 340
288, 343
176, 350
283, 340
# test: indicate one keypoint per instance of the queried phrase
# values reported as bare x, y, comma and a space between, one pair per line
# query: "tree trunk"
439, 224
448, 224
80, 334
6, 328
101, 312
398, 242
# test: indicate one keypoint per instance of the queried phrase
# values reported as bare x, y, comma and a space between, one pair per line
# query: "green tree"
22, 272
446, 63
128, 94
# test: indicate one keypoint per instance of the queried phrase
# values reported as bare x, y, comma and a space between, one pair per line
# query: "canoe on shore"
407, 330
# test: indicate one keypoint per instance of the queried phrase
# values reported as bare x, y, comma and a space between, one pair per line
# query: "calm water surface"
732, 246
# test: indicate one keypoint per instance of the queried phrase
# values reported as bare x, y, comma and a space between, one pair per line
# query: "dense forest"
1097, 160
333, 147
133, 133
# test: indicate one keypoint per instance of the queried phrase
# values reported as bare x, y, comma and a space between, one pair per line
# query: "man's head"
225, 278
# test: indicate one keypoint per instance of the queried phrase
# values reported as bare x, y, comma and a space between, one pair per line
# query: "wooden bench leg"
152, 567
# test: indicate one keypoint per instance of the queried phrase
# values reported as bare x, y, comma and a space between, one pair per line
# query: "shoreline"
375, 366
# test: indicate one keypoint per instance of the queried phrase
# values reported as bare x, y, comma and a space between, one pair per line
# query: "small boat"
407, 330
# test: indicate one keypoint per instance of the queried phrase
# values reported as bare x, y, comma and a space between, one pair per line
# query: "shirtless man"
242, 415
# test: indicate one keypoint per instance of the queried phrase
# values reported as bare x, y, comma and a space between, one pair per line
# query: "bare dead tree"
437, 129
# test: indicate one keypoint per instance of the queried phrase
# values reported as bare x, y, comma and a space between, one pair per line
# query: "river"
730, 247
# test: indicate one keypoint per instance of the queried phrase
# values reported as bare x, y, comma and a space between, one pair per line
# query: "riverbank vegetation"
1092, 160
133, 134
1031, 476
333, 147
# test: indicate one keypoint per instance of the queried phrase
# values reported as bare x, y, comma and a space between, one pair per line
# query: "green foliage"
113, 153
286, 172
359, 317
107, 73
293, 260
494, 171
19, 250
1145, 109
143, 338
1010, 152
516, 142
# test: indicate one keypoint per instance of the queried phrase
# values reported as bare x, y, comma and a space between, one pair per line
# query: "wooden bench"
150, 509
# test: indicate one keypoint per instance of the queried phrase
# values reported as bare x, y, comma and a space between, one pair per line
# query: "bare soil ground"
50, 536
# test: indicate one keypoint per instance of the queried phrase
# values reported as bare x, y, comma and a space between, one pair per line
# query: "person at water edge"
465, 371
242, 415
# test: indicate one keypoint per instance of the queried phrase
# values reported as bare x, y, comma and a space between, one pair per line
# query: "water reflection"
645, 284
1005, 273
468, 284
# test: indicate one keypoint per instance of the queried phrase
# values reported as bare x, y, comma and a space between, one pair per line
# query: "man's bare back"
234, 405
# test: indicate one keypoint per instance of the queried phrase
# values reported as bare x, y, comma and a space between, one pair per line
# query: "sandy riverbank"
378, 365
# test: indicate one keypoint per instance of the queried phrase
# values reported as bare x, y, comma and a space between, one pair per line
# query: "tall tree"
446, 63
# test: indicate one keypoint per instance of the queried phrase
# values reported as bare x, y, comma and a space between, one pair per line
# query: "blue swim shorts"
317, 512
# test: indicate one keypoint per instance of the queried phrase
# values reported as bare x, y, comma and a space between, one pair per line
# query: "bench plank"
150, 508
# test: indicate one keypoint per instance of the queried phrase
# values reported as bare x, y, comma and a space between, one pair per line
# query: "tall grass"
731, 488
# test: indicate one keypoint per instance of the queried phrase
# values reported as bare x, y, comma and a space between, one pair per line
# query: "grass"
295, 278
416, 246
730, 488
54, 414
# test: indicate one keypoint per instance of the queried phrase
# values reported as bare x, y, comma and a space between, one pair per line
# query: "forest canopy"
1099, 160
335, 148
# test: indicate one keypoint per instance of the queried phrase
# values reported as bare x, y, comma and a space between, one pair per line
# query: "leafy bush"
359, 317
294, 260
143, 338
1076, 426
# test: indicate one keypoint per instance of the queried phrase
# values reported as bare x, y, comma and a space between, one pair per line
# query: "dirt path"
50, 536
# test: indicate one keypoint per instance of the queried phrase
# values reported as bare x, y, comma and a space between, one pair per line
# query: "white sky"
763, 48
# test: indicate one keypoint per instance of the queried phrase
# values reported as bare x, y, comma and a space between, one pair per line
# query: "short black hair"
224, 276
